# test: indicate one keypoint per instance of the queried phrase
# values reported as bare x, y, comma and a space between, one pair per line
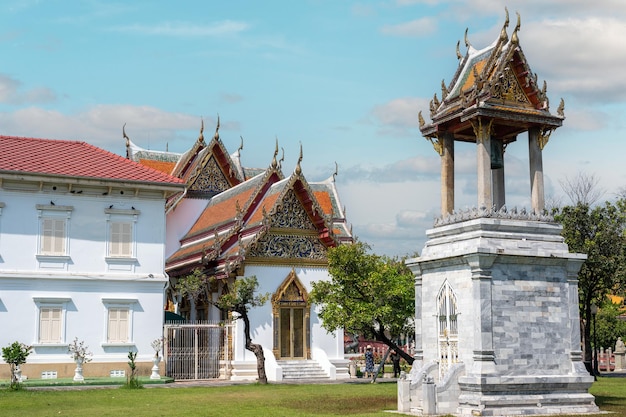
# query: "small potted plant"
80, 353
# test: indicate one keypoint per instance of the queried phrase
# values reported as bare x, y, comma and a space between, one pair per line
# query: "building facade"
82, 237
235, 222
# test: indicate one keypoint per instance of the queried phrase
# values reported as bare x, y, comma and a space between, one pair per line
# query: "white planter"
155, 368
78, 372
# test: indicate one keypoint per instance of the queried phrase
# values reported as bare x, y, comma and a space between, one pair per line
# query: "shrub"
15, 355
132, 382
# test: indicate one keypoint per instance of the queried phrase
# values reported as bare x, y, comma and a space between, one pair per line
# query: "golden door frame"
291, 296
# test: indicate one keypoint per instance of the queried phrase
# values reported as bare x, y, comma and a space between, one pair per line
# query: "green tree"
368, 294
609, 326
597, 232
15, 355
240, 298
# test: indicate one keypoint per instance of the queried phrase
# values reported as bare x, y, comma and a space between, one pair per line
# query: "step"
305, 369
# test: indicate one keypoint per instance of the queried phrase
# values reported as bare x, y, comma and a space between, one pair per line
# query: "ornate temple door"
292, 344
291, 320
448, 333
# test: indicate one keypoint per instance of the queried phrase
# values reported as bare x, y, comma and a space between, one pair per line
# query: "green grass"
88, 381
237, 400
315, 400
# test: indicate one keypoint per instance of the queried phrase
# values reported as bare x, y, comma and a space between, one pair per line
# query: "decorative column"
483, 350
447, 174
535, 158
497, 176
483, 162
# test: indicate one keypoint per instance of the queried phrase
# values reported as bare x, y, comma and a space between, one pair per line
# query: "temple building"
233, 222
497, 320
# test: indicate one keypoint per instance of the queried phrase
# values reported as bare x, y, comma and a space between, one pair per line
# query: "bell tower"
496, 289
493, 98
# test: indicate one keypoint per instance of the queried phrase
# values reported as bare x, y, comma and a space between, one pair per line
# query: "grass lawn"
240, 400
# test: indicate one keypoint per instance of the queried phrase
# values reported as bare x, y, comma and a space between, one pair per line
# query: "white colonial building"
82, 235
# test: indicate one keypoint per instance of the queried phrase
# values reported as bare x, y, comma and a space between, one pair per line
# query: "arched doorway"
290, 306
448, 331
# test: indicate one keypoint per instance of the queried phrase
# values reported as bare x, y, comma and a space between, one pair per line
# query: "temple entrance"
291, 310
292, 333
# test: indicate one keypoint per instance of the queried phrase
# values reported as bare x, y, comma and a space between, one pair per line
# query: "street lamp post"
594, 312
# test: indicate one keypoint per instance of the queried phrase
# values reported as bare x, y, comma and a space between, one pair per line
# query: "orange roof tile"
163, 166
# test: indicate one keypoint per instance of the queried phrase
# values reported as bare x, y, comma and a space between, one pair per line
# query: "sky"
343, 79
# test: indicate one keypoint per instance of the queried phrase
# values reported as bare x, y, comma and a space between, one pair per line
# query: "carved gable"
211, 180
291, 214
509, 90
292, 236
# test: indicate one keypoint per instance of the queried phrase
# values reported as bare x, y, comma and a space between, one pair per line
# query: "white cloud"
102, 125
11, 93
415, 28
186, 29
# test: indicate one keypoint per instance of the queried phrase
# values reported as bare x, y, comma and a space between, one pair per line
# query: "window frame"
51, 303
52, 212
121, 216
119, 303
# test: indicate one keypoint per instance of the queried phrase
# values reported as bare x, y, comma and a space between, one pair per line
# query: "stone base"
526, 395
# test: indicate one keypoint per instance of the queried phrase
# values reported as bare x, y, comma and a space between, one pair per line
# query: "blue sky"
345, 79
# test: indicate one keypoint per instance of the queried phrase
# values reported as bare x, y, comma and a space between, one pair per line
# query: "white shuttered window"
53, 236
118, 325
50, 320
121, 244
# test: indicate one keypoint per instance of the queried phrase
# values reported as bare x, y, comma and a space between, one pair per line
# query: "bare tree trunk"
254, 348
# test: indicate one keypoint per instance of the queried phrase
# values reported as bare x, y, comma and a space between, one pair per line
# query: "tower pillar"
535, 158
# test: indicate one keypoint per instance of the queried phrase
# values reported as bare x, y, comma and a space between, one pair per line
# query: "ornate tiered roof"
252, 215
495, 82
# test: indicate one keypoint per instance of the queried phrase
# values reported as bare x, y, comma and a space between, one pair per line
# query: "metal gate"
198, 350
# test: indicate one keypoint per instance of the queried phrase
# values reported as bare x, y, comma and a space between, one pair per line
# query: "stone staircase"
302, 369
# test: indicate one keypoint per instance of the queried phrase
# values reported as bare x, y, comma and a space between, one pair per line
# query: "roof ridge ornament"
514, 36
127, 141
503, 34
561, 109
336, 171
458, 50
216, 136
467, 42
298, 169
444, 90
201, 134
240, 148
274, 163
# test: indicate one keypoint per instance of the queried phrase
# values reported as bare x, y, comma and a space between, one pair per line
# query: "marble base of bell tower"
497, 323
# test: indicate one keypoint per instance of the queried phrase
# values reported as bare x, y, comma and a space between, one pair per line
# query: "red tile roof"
73, 159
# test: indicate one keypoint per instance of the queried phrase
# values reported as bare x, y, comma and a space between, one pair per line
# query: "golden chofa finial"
336, 171
298, 170
444, 90
240, 148
201, 135
274, 161
514, 37
458, 50
467, 42
216, 136
422, 122
503, 35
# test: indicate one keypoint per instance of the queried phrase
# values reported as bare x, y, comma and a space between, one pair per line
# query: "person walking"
369, 362
395, 359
